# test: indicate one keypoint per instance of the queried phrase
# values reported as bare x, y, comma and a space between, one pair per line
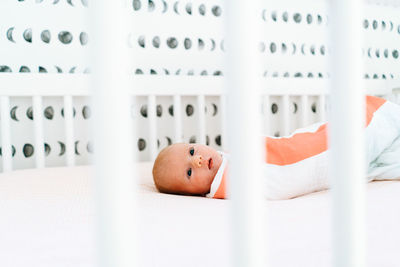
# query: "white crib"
178, 71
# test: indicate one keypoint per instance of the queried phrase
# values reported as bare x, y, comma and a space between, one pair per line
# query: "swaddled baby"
295, 165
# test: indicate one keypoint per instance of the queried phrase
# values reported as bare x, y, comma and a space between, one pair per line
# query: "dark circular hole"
272, 47
158, 143
4, 68
200, 44
28, 35
274, 16
395, 54
374, 24
386, 53
277, 134
159, 110
143, 111
207, 140
319, 19
12, 151
192, 139
365, 24
86, 112
65, 37
187, 43
156, 42
218, 140
153, 72
136, 5
42, 69
189, 8
171, 110
76, 148
284, 48
83, 38
172, 42
216, 10
47, 149
141, 41
274, 108
285, 16
189, 110
45, 36
28, 150
297, 17
309, 19
202, 9
141, 144
29, 113
24, 69
49, 113
314, 107
295, 107
138, 71
322, 50
151, 6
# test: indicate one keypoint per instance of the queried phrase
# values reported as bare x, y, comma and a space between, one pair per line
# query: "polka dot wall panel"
180, 40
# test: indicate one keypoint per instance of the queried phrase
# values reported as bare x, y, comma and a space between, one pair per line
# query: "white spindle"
115, 187
347, 122
243, 71
321, 107
38, 129
222, 110
151, 112
267, 113
178, 118
305, 109
69, 130
285, 115
201, 122
6, 134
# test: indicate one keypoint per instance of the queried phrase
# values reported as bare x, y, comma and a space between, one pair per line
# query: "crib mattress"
47, 219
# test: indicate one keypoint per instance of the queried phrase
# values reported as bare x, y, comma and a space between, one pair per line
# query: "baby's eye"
189, 172
191, 151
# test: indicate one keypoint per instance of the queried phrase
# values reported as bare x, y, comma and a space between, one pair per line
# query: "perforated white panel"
180, 43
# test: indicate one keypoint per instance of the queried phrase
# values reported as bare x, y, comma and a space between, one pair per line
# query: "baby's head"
186, 169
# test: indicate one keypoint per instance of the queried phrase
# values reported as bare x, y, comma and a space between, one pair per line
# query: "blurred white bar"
151, 112
347, 122
115, 181
244, 132
322, 111
285, 115
201, 119
304, 108
222, 108
178, 118
38, 129
6, 150
266, 114
69, 130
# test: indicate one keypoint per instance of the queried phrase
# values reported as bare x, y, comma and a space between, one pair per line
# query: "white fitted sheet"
47, 215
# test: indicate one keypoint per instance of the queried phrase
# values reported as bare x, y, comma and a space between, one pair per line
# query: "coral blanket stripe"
289, 150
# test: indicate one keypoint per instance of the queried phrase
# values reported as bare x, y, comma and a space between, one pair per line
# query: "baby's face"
191, 168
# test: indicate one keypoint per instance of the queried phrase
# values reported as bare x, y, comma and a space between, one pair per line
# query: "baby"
295, 165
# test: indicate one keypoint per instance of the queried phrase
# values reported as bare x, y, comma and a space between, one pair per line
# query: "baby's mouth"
210, 163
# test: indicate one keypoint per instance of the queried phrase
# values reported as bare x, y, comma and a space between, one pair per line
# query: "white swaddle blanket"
298, 164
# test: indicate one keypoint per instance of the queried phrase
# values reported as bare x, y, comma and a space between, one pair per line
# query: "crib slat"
222, 104
285, 115
266, 113
151, 111
6, 134
69, 130
201, 123
115, 181
304, 110
178, 118
347, 122
38, 128
321, 107
243, 72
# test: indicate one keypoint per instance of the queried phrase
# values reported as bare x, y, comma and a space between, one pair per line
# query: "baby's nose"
197, 161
